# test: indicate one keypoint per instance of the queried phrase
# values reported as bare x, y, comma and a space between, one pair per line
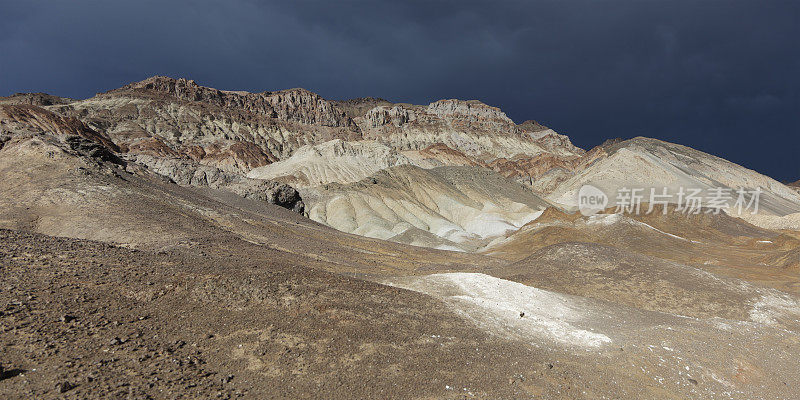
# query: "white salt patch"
487, 225
509, 308
604, 219
449, 248
773, 305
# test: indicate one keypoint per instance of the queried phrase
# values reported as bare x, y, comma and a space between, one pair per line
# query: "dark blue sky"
720, 76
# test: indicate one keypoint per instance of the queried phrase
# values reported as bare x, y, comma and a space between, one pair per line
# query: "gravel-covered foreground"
82, 319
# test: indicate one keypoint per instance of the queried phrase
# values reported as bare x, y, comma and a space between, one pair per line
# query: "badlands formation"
169, 240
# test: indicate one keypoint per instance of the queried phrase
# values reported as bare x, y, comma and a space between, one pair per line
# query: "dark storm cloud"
720, 76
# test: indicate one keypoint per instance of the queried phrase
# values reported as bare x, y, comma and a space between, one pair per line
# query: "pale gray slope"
445, 207
332, 161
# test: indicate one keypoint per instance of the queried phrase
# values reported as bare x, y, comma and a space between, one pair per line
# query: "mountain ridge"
202, 136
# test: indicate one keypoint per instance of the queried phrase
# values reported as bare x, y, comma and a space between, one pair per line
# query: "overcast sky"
719, 76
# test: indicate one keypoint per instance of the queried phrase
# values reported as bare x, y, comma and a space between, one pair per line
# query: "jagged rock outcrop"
298, 105
467, 112
383, 115
470, 127
16, 119
233, 131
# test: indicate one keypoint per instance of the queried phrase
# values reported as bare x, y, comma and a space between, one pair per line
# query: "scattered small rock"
692, 381
66, 318
63, 387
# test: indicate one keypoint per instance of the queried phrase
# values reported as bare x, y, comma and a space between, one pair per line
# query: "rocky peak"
189, 90
34, 99
295, 105
469, 109
176, 87
307, 107
383, 115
